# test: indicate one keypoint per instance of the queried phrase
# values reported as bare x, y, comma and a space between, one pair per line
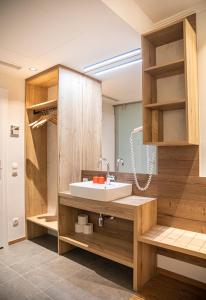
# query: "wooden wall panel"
183, 223
181, 193
92, 124
182, 208
70, 128
80, 125
178, 161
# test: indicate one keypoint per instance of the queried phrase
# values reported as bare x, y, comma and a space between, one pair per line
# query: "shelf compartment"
166, 105
46, 78
167, 127
46, 220
175, 239
109, 247
166, 70
165, 35
43, 105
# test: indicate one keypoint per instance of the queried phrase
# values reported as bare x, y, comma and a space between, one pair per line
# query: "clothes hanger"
35, 122
40, 120
46, 115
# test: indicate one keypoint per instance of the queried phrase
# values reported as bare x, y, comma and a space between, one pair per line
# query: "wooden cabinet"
170, 85
117, 240
56, 153
80, 117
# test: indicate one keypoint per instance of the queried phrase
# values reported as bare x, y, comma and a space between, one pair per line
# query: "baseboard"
181, 278
17, 240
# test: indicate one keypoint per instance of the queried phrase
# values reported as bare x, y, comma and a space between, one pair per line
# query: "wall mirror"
117, 123
122, 111
116, 61
119, 119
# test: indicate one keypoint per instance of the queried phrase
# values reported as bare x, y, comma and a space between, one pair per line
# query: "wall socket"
15, 222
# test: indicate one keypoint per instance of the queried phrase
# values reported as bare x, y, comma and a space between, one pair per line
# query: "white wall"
131, 13
15, 153
108, 134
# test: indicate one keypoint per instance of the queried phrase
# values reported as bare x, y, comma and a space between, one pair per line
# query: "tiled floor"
30, 271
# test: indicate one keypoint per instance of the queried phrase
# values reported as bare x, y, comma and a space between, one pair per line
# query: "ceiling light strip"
118, 67
4, 63
112, 60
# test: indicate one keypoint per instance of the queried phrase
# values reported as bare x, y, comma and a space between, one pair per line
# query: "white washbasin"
102, 192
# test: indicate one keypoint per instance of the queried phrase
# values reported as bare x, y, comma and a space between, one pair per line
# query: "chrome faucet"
120, 161
107, 163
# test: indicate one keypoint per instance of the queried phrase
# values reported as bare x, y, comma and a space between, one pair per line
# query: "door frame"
4, 117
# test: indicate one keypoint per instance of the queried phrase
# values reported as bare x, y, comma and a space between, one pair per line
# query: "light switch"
14, 131
14, 167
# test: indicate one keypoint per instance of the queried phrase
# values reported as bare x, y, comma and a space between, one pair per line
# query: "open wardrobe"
59, 124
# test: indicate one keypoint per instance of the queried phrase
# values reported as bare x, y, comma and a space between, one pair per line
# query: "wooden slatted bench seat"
179, 240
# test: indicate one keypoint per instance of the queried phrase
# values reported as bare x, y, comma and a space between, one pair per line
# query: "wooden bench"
180, 240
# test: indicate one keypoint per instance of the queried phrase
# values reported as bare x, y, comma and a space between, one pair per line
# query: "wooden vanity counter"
124, 208
118, 238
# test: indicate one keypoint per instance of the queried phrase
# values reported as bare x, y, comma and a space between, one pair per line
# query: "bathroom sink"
101, 192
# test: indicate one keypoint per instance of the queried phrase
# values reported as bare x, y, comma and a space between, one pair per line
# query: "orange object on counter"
95, 179
101, 179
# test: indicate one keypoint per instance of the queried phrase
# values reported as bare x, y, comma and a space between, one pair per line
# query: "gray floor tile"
19, 252
36, 273
47, 241
115, 272
63, 267
34, 261
42, 278
24, 246
40, 296
18, 289
83, 257
64, 290
98, 286
6, 274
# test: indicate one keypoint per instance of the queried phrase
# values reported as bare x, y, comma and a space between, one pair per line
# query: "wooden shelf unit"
118, 238
165, 70
159, 70
175, 239
167, 105
41, 89
46, 220
113, 241
109, 247
43, 105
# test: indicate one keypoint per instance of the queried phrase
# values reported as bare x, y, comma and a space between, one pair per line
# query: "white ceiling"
75, 33
157, 10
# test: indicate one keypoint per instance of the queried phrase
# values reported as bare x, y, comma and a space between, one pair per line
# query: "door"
3, 132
